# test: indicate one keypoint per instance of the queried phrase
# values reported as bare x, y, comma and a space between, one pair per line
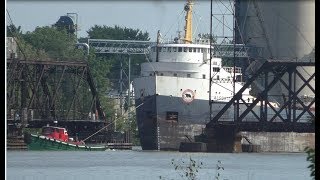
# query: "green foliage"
29, 52
58, 44
100, 68
117, 32
311, 159
13, 31
25, 50
207, 36
107, 67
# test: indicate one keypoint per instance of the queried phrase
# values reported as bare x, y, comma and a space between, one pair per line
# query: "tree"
58, 44
100, 70
13, 31
117, 32
207, 36
107, 67
311, 159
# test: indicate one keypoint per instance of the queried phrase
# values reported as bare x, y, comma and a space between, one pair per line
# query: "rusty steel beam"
278, 68
55, 63
43, 93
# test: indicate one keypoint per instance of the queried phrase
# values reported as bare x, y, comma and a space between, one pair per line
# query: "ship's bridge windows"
188, 75
198, 50
174, 74
194, 50
185, 49
203, 76
190, 49
174, 49
164, 49
161, 74
179, 49
169, 49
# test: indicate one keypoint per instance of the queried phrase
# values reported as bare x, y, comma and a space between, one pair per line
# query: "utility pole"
210, 50
234, 61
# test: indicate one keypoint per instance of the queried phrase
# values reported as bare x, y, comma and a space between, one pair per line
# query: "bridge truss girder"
51, 90
292, 104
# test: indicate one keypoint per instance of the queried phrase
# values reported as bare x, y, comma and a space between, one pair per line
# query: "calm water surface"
149, 165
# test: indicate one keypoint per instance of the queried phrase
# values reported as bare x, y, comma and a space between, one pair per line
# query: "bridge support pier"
223, 138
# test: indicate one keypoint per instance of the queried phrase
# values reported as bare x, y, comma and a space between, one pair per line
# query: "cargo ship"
172, 91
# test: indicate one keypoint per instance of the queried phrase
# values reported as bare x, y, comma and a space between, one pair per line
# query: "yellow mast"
188, 26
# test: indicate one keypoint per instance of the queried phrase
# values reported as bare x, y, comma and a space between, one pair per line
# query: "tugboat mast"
188, 25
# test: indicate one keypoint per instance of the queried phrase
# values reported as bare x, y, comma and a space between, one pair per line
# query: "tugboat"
57, 139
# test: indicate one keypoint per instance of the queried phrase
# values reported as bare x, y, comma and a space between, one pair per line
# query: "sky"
148, 16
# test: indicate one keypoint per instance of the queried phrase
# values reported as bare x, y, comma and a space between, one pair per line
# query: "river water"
150, 165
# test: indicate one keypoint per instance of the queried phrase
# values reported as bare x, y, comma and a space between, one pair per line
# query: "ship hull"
164, 121
42, 143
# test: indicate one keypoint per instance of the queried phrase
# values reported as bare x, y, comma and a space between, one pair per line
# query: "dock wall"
280, 141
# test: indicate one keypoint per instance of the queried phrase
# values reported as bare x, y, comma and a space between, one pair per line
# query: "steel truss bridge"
50, 91
286, 73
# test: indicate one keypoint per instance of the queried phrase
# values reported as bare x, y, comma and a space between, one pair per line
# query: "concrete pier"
226, 139
280, 141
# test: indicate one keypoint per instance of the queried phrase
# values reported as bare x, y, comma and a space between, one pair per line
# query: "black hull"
158, 130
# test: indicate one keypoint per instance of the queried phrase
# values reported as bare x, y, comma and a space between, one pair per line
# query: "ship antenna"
188, 25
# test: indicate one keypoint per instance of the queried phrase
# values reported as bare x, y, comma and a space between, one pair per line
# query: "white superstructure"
176, 67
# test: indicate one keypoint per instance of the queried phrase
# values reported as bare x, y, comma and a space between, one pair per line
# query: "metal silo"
284, 30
